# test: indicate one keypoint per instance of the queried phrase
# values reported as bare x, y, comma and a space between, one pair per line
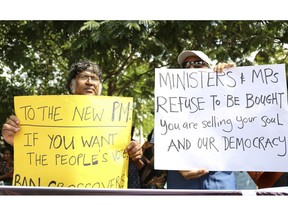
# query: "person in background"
269, 179
84, 79
150, 177
201, 178
133, 169
7, 166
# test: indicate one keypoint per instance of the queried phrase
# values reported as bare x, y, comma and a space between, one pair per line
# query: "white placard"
236, 120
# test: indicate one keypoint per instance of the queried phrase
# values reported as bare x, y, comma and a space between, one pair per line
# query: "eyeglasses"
85, 77
195, 64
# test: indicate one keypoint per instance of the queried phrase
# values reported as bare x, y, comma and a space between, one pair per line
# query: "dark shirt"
133, 176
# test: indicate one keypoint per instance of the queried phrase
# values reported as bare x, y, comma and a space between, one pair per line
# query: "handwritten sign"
236, 120
72, 141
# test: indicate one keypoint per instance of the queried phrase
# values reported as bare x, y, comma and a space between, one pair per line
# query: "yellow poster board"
72, 141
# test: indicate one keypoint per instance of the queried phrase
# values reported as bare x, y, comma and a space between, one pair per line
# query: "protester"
84, 79
149, 176
7, 166
201, 178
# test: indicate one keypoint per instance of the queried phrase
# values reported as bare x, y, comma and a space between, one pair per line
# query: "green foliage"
35, 55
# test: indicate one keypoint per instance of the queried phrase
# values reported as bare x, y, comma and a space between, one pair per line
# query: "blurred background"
35, 55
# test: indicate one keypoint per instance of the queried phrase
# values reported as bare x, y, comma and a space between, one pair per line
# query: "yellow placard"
72, 141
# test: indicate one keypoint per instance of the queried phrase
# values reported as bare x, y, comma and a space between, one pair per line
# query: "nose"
89, 80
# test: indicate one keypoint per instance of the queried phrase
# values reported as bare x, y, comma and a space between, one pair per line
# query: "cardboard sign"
235, 121
72, 141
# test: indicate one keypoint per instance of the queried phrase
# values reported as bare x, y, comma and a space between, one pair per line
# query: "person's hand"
10, 128
191, 174
220, 66
134, 150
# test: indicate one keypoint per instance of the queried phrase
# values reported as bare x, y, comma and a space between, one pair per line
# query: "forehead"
192, 58
88, 72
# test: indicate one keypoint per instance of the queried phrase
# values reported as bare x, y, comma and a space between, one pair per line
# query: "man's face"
6, 155
86, 83
194, 62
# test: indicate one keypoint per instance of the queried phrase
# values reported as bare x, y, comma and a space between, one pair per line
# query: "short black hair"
81, 66
9, 148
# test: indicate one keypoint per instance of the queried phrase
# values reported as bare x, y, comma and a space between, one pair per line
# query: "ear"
99, 89
72, 86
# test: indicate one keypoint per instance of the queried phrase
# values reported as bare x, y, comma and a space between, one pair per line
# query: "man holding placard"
84, 79
235, 120
202, 178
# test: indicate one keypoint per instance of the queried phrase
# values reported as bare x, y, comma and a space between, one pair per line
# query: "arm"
10, 128
7, 175
191, 174
146, 161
